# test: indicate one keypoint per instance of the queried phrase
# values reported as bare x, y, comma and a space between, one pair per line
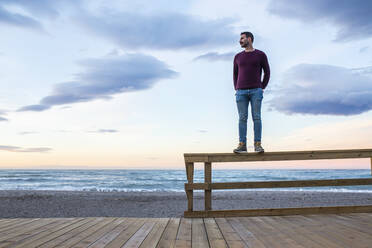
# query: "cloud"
214, 56
36, 107
19, 20
2, 112
104, 77
129, 29
32, 11
324, 89
20, 149
36, 7
105, 131
363, 49
162, 31
351, 17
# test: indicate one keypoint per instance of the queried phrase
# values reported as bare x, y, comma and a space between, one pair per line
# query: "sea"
164, 180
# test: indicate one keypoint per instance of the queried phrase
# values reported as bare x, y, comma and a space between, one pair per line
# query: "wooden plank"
230, 235
11, 233
6, 222
311, 237
246, 234
214, 234
208, 180
287, 234
16, 223
363, 220
136, 240
89, 240
111, 235
356, 221
198, 234
154, 236
329, 230
98, 224
3, 220
280, 184
343, 231
168, 239
183, 239
45, 235
258, 232
26, 236
332, 231
190, 179
56, 234
126, 234
71, 233
277, 156
278, 211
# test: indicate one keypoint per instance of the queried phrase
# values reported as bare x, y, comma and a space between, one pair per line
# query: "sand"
41, 204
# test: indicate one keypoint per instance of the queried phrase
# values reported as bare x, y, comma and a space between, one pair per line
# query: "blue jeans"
243, 98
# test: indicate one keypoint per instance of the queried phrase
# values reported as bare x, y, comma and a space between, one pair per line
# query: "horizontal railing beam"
278, 211
277, 156
279, 184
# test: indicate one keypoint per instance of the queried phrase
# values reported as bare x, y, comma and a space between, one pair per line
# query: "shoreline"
47, 203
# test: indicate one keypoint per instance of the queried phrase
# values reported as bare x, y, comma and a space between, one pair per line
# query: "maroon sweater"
248, 70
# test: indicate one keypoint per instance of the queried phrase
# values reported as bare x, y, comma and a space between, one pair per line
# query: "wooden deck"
341, 230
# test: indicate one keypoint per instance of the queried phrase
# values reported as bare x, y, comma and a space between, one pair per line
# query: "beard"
244, 45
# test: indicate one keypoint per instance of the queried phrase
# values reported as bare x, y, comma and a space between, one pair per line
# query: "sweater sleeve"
235, 73
266, 69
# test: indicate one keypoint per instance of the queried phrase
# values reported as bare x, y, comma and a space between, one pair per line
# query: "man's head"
246, 39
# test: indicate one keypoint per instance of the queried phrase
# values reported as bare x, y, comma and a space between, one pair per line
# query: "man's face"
244, 41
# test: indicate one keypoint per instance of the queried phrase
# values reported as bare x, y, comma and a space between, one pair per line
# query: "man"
248, 66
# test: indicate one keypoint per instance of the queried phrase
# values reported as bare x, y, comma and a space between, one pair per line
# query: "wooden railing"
208, 186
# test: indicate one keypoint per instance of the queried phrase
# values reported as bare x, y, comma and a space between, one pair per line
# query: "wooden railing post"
190, 179
208, 180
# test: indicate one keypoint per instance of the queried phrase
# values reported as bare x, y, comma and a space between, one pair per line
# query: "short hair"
248, 34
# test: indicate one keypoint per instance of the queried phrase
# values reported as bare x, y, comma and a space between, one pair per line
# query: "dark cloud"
20, 149
16, 19
169, 30
214, 56
37, 7
162, 31
36, 108
324, 89
352, 18
105, 77
105, 131
3, 119
32, 11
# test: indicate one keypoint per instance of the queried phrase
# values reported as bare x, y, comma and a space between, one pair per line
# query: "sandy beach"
34, 204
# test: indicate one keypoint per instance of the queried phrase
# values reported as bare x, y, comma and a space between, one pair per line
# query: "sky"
136, 84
